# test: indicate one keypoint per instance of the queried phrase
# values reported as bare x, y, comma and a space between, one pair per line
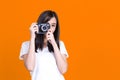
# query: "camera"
43, 28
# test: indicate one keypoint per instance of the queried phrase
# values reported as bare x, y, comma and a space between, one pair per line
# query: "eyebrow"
53, 23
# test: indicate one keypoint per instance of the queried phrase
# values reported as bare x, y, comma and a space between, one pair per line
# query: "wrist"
32, 38
54, 44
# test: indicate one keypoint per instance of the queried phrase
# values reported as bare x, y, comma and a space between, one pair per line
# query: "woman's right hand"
33, 29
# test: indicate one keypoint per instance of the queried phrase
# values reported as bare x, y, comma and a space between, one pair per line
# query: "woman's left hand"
50, 36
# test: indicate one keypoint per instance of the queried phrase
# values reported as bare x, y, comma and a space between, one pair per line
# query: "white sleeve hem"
63, 49
24, 49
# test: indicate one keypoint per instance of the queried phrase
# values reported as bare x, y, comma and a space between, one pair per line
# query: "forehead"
52, 20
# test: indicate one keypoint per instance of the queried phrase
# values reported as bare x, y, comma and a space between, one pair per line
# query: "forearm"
30, 60
60, 60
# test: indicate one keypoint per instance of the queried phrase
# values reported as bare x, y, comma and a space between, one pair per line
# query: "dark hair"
39, 40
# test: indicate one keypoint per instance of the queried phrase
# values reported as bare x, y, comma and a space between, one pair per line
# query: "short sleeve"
63, 49
24, 49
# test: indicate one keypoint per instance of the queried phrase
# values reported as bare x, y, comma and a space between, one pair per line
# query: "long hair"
39, 40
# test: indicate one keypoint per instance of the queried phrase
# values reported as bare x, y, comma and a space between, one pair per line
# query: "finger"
34, 23
35, 26
49, 39
37, 29
49, 30
47, 33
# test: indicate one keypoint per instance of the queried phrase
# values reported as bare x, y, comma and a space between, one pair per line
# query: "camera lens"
44, 28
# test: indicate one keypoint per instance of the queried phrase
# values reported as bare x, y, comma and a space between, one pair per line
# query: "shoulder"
25, 43
61, 43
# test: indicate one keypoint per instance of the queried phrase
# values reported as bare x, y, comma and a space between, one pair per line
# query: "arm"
60, 59
29, 59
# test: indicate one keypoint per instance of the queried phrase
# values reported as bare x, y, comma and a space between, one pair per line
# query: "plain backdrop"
90, 30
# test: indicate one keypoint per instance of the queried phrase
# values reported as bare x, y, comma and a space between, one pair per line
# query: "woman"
45, 55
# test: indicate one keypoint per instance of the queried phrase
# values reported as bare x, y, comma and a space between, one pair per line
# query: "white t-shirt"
45, 63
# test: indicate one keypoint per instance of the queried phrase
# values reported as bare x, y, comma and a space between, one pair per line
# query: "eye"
53, 25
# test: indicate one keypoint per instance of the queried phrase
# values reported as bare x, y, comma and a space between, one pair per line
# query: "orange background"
90, 30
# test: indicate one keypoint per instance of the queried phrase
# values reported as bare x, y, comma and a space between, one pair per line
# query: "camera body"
43, 28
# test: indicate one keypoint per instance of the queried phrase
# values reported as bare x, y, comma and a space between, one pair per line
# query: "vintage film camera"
43, 28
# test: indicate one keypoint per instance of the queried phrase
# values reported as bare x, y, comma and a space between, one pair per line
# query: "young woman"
44, 55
